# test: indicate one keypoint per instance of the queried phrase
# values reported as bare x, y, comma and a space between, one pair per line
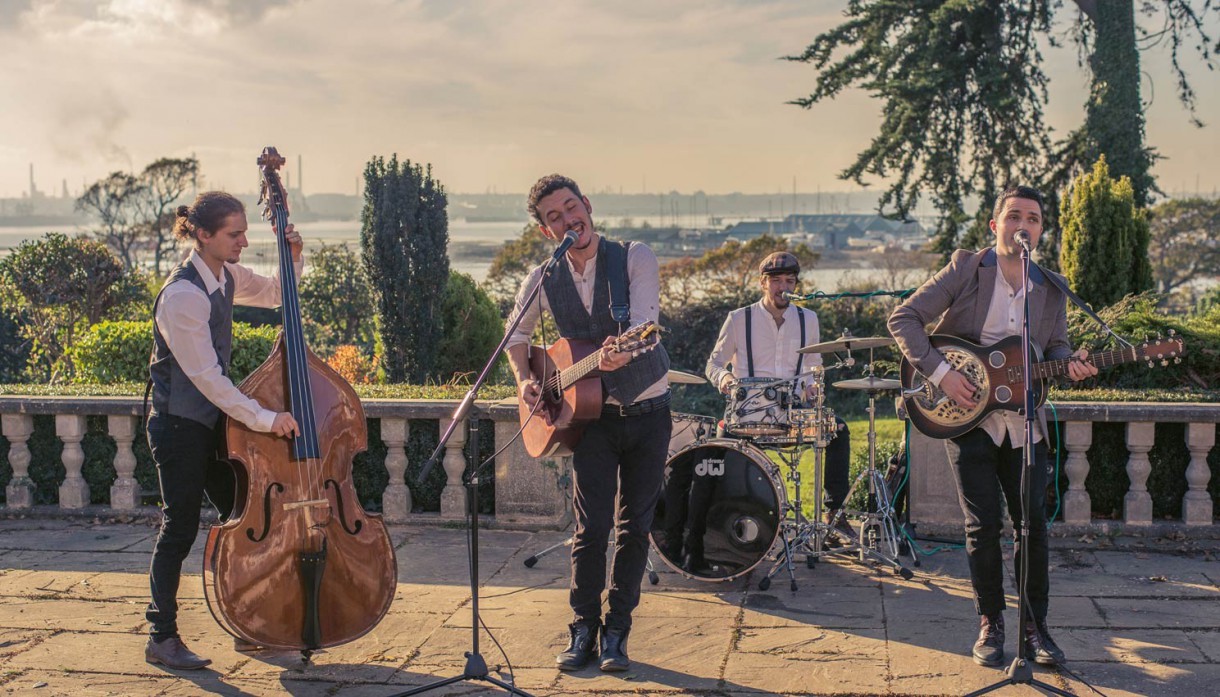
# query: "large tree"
114, 201
164, 182
1185, 242
404, 239
963, 94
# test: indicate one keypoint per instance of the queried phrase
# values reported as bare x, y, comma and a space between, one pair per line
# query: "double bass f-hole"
279, 489
354, 529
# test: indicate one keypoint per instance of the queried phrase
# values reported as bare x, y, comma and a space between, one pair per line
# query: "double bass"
299, 564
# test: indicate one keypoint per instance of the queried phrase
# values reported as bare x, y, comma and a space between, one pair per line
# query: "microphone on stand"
569, 239
788, 295
1021, 237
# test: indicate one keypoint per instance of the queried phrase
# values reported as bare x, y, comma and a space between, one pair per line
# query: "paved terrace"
1137, 616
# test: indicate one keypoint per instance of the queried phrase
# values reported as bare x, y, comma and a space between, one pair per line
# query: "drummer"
761, 340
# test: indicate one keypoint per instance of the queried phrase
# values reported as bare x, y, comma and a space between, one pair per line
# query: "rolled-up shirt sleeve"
530, 314
724, 353
182, 318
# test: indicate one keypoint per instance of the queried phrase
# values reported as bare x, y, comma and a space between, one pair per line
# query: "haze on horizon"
634, 96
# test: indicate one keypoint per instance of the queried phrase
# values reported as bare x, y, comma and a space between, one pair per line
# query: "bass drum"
720, 510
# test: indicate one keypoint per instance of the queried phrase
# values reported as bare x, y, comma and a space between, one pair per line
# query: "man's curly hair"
545, 187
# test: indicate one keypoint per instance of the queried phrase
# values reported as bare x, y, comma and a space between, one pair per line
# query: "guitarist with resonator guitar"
600, 392
978, 298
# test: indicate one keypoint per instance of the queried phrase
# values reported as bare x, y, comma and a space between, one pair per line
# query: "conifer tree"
404, 240
1105, 238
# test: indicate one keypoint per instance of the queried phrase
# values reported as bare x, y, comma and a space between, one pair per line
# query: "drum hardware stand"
795, 531
879, 537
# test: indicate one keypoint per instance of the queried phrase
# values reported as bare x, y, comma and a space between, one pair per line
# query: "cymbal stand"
879, 536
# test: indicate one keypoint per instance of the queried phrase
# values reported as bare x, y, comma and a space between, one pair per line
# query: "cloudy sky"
652, 95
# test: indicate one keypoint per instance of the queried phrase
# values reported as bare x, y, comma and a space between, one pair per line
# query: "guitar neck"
578, 370
1101, 359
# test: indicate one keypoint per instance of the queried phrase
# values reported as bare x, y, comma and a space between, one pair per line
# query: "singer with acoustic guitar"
598, 291
978, 297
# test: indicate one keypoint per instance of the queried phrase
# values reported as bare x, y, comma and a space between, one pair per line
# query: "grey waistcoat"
627, 383
172, 391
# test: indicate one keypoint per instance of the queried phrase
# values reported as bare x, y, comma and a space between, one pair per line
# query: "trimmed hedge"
112, 352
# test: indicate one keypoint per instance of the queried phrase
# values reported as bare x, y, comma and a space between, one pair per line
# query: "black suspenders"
800, 360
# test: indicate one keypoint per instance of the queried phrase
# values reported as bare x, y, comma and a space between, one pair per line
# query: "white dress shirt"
1005, 315
644, 287
182, 318
774, 347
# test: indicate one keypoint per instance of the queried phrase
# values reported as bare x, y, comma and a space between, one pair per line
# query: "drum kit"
724, 508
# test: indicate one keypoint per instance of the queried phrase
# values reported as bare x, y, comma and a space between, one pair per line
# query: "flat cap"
779, 263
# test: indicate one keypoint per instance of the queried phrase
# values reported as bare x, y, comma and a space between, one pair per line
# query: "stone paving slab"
1133, 622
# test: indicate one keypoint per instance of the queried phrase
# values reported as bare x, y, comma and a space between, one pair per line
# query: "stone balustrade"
934, 495
529, 493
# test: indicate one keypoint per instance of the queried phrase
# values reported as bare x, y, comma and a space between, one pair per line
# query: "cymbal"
850, 343
678, 377
870, 383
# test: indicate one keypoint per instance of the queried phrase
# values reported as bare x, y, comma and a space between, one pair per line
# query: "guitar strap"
616, 277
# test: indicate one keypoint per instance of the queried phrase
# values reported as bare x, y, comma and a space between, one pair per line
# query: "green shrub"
112, 352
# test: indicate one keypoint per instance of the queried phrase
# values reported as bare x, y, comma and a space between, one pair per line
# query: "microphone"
569, 239
788, 295
1021, 237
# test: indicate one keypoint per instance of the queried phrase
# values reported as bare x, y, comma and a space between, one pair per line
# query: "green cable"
1058, 449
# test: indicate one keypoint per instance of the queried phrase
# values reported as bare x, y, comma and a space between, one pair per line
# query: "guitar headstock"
1162, 350
271, 191
641, 338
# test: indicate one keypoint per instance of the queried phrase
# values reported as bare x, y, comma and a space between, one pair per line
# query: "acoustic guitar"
572, 388
996, 373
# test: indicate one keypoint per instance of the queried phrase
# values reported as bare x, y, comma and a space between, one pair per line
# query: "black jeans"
837, 480
623, 458
185, 452
987, 474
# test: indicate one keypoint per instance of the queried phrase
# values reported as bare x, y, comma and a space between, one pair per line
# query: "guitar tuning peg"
1164, 362
1176, 360
1172, 332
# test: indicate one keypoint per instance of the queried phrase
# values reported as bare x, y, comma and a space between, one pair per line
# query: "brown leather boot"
172, 653
989, 649
842, 534
1040, 647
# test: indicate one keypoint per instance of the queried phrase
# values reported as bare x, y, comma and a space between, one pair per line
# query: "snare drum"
690, 428
759, 407
720, 510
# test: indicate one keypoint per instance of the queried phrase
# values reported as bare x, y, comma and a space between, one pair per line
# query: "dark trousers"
988, 475
185, 452
620, 460
836, 479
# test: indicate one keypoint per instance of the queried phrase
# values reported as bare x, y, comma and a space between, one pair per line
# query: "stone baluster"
453, 497
1077, 506
396, 499
125, 492
17, 428
1197, 503
74, 492
1137, 504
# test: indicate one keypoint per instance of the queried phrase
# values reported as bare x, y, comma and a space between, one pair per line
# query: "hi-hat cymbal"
678, 377
850, 343
870, 383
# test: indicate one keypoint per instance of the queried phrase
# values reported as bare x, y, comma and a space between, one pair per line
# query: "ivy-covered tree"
337, 300
404, 239
1105, 238
58, 285
963, 94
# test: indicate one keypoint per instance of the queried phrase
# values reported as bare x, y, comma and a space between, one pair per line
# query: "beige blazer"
957, 299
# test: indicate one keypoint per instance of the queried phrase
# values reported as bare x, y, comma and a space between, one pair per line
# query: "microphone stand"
476, 665
1021, 672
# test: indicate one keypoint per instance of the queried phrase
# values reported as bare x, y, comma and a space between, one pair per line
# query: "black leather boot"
582, 647
614, 649
172, 653
1040, 647
989, 649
